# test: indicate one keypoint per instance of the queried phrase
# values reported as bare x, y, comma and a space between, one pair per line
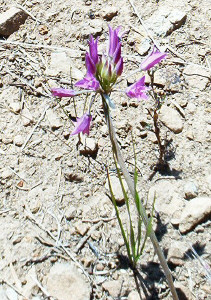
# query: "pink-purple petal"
137, 89
82, 124
88, 82
152, 59
60, 92
119, 67
93, 50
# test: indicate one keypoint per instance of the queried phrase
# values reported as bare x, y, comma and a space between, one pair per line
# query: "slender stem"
131, 186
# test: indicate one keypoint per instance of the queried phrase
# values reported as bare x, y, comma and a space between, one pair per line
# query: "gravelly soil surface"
51, 194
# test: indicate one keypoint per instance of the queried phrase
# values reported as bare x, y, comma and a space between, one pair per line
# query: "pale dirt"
35, 192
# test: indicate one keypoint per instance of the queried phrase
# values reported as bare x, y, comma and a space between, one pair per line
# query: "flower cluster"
102, 73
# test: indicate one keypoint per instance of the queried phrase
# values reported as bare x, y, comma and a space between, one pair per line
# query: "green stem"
131, 186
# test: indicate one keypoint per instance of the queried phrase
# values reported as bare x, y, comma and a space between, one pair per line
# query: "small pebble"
18, 140
190, 190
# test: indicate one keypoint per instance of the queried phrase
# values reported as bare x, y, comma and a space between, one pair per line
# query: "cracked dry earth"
59, 238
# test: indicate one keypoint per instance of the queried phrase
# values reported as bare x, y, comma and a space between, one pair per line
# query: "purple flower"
137, 90
60, 92
152, 59
82, 124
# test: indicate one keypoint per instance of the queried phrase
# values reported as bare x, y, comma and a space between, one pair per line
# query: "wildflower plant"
102, 72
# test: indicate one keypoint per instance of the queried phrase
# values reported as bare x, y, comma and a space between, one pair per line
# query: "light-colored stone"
176, 253
171, 119
15, 106
113, 287
167, 199
6, 173
60, 62
134, 295
82, 228
196, 76
190, 190
165, 20
11, 20
64, 282
143, 47
89, 147
18, 140
195, 211
53, 119
26, 116
183, 291
116, 189
70, 213
109, 12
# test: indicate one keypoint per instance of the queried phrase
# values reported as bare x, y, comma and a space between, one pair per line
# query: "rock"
116, 188
182, 291
76, 74
8, 294
191, 108
70, 213
82, 228
15, 106
95, 28
53, 119
64, 282
89, 147
11, 20
143, 47
35, 198
171, 119
113, 287
176, 253
190, 190
109, 12
167, 199
7, 139
165, 20
60, 62
195, 211
208, 179
134, 295
26, 116
196, 76
6, 174
18, 140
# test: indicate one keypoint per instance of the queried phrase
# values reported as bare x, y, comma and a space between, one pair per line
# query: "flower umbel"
82, 124
152, 59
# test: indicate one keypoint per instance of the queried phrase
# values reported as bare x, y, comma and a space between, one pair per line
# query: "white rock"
109, 12
190, 190
176, 253
196, 76
27, 118
171, 119
166, 20
11, 20
6, 173
18, 140
113, 287
60, 62
15, 106
53, 119
134, 295
116, 188
89, 147
195, 211
66, 283
167, 199
70, 213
